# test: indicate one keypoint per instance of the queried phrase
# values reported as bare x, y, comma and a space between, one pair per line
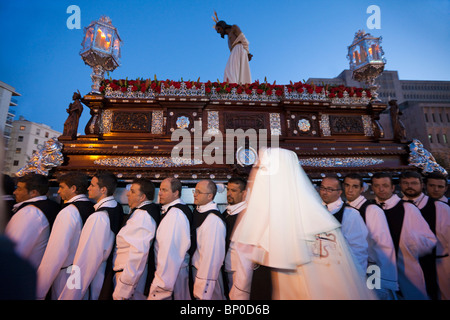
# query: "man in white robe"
352, 225
381, 247
134, 241
29, 228
289, 231
437, 214
96, 242
237, 281
173, 240
412, 239
209, 255
237, 69
62, 244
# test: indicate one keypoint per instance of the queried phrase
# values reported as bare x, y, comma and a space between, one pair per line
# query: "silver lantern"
366, 60
100, 49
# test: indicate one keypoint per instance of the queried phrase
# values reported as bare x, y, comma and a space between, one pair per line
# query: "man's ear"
104, 190
34, 193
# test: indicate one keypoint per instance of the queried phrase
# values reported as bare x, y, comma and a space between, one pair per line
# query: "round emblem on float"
304, 125
183, 122
246, 156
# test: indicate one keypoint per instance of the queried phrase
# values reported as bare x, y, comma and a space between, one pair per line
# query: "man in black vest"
410, 234
34, 215
134, 260
236, 198
209, 255
352, 225
437, 214
54, 270
381, 247
173, 241
92, 265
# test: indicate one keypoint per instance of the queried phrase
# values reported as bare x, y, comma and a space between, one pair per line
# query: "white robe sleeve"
94, 247
443, 259
138, 233
381, 247
65, 226
173, 241
355, 232
26, 229
242, 277
211, 244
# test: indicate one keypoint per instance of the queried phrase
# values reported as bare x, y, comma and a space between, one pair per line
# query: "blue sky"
289, 39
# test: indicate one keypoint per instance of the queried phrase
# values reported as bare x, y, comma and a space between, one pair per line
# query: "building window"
426, 117
19, 138
38, 131
440, 117
430, 138
36, 141
444, 137
16, 163
46, 134
434, 119
22, 128
18, 150
438, 140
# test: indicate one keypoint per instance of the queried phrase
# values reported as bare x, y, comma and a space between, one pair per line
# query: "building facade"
424, 107
7, 110
26, 138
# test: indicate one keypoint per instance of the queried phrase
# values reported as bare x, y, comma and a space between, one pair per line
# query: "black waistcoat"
85, 209
340, 214
394, 218
428, 262
48, 207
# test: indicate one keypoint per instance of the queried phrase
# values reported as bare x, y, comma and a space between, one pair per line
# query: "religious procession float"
194, 130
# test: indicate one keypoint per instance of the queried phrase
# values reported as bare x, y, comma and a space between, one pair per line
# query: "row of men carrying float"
167, 251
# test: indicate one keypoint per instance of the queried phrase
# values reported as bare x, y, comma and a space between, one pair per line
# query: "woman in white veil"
290, 232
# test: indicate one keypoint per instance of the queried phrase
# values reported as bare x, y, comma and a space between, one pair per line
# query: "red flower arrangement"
225, 87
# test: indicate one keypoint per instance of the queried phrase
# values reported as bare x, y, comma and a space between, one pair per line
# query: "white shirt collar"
389, 203
168, 205
103, 202
236, 208
30, 200
357, 203
77, 197
334, 207
206, 207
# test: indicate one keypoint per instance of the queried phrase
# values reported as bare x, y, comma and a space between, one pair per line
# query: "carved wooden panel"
245, 121
346, 124
131, 121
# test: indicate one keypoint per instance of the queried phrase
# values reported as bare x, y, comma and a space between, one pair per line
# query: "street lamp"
100, 49
366, 60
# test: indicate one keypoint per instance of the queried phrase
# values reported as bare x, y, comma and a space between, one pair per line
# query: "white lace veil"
284, 211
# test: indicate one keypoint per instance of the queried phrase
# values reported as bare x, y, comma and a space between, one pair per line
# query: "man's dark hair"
355, 176
436, 176
8, 184
224, 26
175, 185
146, 187
108, 180
77, 179
410, 174
240, 181
34, 181
379, 175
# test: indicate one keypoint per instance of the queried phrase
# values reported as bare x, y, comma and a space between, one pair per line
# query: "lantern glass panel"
88, 38
103, 39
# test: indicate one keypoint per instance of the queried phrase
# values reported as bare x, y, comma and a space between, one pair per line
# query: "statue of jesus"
237, 69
